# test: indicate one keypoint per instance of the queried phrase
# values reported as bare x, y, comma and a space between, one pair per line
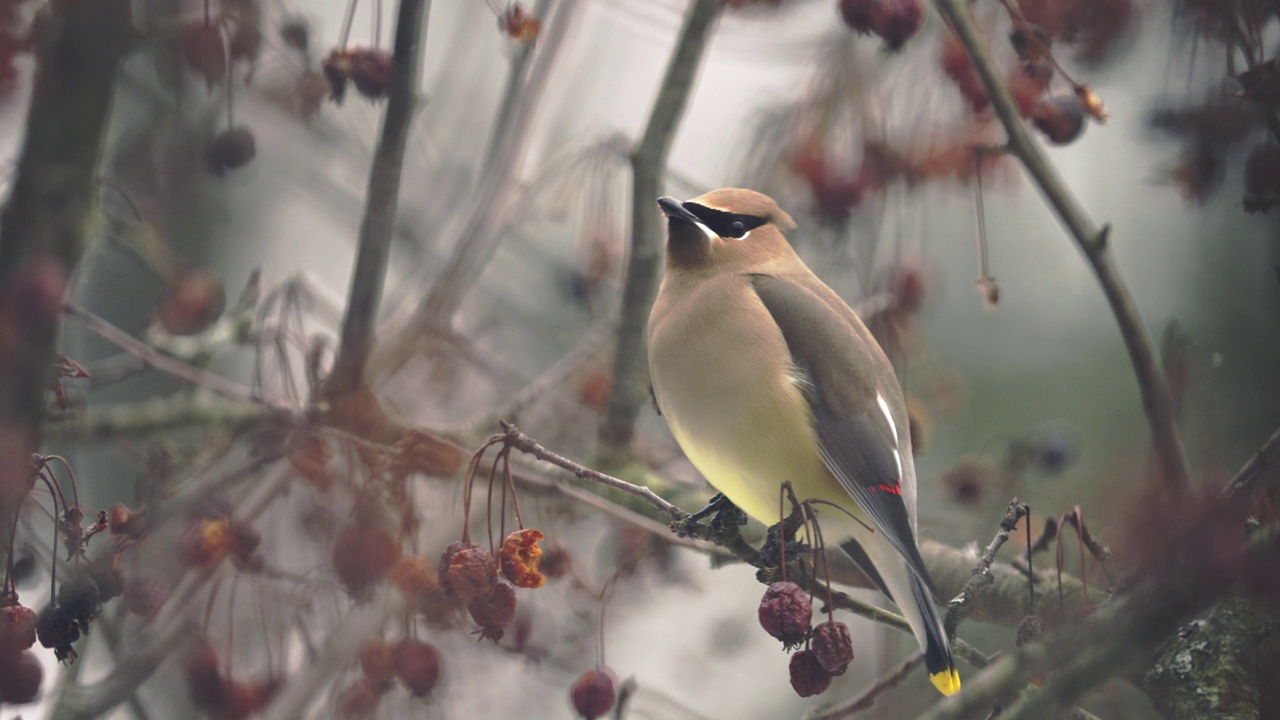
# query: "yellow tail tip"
947, 681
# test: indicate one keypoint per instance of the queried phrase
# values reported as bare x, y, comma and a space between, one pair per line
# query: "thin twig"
528, 445
648, 161
981, 577
868, 697
1092, 241
1262, 470
157, 360
381, 200
1097, 549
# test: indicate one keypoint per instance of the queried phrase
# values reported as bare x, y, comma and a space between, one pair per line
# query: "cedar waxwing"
764, 375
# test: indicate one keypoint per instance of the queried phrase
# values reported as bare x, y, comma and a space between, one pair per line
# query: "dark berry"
231, 149
1060, 118
363, 556
79, 597
20, 677
785, 612
296, 34
808, 677
371, 73
494, 611
896, 21
58, 631
593, 694
833, 647
471, 572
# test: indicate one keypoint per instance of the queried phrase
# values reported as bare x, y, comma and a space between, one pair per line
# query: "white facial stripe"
707, 231
893, 428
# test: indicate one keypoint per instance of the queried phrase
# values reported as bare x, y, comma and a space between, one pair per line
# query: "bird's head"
725, 230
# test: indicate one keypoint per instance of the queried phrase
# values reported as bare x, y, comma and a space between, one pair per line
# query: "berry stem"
346, 24
53, 561
515, 499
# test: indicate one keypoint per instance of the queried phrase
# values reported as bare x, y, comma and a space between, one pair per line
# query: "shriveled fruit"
833, 647
808, 677
785, 612
470, 573
520, 554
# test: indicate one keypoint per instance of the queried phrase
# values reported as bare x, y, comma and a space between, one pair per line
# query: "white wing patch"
893, 429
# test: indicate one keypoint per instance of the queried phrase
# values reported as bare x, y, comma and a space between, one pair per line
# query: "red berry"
205, 684
1059, 117
193, 302
231, 149
833, 647
785, 612
857, 14
417, 665
17, 629
363, 556
593, 695
20, 677
896, 21
808, 677
377, 660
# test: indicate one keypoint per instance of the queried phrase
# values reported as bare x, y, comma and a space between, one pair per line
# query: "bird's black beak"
674, 210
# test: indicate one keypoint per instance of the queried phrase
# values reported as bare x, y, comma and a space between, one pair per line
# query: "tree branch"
648, 162
1092, 241
867, 698
381, 200
981, 577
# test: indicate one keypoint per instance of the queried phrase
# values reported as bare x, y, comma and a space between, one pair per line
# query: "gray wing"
859, 444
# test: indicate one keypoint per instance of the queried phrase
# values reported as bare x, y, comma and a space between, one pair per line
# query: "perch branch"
648, 161
381, 200
1262, 470
1092, 241
867, 698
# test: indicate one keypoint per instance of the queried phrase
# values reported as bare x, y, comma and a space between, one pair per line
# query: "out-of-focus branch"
475, 243
164, 363
43, 226
648, 162
1262, 470
867, 698
137, 420
1092, 241
381, 200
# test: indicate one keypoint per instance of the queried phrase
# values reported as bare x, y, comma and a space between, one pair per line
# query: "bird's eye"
736, 228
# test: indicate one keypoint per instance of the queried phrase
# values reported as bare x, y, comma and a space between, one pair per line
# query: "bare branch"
867, 698
981, 577
1092, 241
381, 200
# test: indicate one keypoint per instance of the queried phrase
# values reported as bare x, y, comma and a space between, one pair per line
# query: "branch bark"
1092, 240
648, 163
381, 200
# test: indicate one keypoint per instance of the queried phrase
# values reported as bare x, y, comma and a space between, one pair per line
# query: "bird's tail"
937, 649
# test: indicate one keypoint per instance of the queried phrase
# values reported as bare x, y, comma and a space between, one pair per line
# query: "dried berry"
145, 592
363, 555
494, 611
833, 647
520, 553
417, 665
377, 660
413, 576
593, 695
967, 481
358, 701
205, 542
20, 677
785, 612
58, 631
17, 629
79, 598
808, 677
470, 572
371, 72
231, 149
202, 47
1030, 629
1060, 118
192, 303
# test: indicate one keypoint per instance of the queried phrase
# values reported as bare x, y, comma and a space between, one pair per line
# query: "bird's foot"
724, 516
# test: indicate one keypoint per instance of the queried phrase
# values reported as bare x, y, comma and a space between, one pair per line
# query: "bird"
764, 375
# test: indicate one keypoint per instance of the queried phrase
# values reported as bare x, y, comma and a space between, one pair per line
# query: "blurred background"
234, 167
